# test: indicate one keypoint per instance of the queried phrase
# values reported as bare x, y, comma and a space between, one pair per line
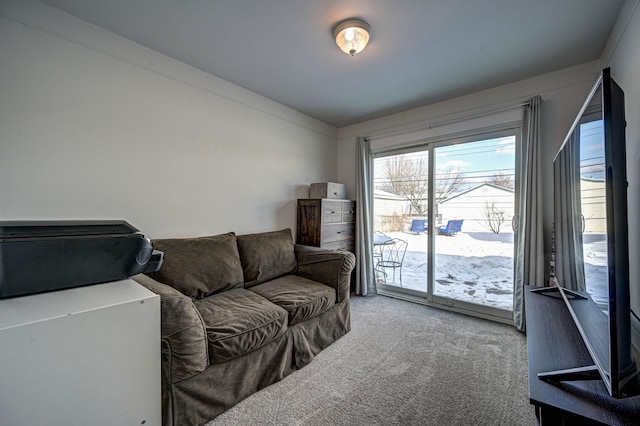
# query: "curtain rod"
451, 121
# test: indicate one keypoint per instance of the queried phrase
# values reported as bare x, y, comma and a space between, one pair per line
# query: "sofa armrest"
184, 337
330, 267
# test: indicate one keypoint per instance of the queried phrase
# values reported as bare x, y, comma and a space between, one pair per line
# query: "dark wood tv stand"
554, 343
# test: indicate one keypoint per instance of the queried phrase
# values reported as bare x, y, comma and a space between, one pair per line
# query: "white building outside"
476, 205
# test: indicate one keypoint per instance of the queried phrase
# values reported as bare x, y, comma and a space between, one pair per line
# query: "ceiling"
421, 51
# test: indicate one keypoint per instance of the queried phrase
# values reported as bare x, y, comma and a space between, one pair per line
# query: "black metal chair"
391, 257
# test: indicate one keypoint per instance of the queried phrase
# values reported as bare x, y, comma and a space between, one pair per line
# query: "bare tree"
503, 180
407, 177
448, 181
493, 216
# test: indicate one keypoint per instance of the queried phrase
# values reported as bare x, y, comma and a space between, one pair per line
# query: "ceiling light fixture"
352, 35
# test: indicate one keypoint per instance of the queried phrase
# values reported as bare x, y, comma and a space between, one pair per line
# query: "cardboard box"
328, 190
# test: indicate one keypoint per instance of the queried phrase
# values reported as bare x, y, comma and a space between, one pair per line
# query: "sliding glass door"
453, 203
401, 212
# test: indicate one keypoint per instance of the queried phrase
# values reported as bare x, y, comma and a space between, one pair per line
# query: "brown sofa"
240, 313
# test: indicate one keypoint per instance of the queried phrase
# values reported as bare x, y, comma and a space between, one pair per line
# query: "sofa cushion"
302, 298
266, 255
200, 266
239, 321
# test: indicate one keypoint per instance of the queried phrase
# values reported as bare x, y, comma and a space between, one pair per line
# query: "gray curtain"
530, 262
365, 282
567, 219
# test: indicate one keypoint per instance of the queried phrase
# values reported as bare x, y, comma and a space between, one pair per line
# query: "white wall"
95, 126
623, 56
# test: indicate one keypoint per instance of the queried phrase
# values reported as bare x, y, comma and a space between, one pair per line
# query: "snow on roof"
378, 193
476, 188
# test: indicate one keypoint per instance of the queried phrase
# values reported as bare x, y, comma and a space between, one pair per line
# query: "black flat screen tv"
591, 239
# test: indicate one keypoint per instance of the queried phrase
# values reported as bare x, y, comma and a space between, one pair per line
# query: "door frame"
430, 145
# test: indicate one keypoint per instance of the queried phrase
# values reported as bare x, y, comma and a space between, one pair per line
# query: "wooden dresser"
327, 223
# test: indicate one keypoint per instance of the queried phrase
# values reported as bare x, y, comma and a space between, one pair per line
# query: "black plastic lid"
58, 228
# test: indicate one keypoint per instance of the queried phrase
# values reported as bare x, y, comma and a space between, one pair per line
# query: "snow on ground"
595, 267
475, 267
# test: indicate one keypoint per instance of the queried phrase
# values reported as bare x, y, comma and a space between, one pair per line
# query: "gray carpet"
402, 364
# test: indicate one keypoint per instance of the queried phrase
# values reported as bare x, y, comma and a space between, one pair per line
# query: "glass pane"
401, 212
592, 203
475, 204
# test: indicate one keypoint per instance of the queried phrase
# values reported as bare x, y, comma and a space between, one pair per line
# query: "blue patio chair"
418, 226
452, 228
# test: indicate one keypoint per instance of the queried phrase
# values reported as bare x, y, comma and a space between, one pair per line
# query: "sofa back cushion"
266, 256
201, 266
